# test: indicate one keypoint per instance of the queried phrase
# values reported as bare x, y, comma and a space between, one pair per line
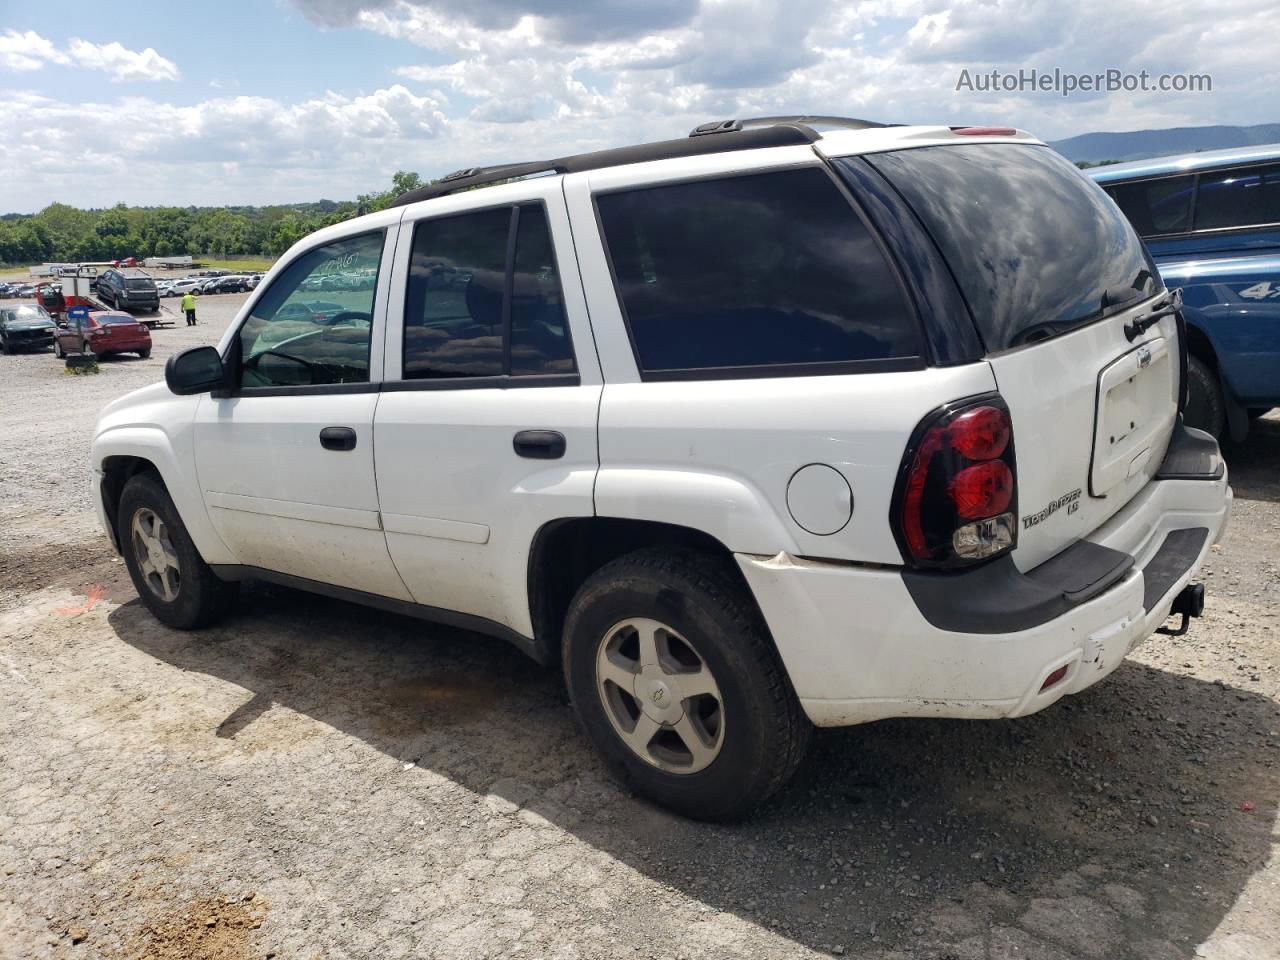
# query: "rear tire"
1206, 408
144, 354
171, 578
710, 636
57, 349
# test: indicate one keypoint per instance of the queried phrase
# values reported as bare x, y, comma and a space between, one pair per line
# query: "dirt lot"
313, 779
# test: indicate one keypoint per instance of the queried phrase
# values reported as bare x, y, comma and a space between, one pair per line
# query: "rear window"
140, 283
1037, 248
751, 275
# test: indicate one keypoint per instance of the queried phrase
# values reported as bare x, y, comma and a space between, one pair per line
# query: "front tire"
1206, 407
57, 349
168, 572
675, 681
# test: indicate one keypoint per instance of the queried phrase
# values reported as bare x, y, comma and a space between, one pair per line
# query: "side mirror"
197, 370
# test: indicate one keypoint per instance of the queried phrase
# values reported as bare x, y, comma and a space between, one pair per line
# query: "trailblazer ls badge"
1069, 500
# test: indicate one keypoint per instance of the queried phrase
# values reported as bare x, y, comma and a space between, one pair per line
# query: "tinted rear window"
771, 271
140, 284
1037, 247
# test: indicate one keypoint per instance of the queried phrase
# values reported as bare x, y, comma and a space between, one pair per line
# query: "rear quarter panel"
717, 455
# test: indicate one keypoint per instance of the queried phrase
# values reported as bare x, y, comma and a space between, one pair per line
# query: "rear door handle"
338, 438
539, 444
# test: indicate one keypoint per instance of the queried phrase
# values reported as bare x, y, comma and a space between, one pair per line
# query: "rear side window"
769, 273
469, 285
1238, 198
1036, 246
1156, 207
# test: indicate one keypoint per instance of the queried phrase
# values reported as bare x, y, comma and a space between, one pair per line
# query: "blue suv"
1212, 223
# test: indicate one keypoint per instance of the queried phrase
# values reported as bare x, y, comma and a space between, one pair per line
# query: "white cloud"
224, 150
27, 51
506, 80
122, 63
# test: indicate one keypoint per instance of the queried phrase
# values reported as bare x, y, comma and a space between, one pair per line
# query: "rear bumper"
120, 345
858, 647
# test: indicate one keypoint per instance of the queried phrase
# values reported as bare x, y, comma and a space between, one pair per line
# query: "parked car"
187, 285
759, 429
24, 290
25, 327
1212, 223
231, 284
104, 332
128, 289
165, 288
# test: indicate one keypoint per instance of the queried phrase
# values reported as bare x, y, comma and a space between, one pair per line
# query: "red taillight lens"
980, 433
982, 490
957, 489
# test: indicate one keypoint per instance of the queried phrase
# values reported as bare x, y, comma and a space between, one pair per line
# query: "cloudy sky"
291, 100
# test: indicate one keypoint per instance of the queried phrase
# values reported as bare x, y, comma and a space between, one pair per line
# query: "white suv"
795, 421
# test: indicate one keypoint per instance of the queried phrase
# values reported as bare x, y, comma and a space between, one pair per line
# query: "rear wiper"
1165, 308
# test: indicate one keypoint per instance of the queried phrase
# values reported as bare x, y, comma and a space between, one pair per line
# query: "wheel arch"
565, 552
120, 453
1200, 344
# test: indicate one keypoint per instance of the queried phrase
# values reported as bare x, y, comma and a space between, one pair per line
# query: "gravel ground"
313, 779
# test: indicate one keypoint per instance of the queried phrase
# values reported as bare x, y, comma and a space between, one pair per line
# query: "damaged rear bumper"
860, 643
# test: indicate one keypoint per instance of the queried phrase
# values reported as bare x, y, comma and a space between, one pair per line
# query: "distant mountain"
1140, 144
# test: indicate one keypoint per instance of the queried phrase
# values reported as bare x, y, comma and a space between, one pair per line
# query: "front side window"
304, 331
1156, 207
470, 312
764, 270
1238, 198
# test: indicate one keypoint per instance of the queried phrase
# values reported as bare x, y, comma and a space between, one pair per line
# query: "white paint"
819, 499
434, 505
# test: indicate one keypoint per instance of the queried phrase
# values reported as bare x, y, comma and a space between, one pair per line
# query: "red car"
105, 332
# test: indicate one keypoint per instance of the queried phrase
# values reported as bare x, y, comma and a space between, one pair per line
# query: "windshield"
31, 313
1037, 247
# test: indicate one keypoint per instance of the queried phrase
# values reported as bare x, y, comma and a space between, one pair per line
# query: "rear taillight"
956, 498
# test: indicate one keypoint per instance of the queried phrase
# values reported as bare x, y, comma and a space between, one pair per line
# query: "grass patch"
84, 369
235, 266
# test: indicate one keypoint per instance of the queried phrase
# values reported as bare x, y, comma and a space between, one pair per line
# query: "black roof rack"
750, 134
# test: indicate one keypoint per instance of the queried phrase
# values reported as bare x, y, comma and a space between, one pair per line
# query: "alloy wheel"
660, 695
157, 560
